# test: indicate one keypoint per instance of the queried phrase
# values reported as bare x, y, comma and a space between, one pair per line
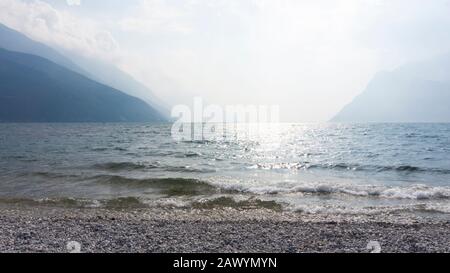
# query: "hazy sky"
310, 57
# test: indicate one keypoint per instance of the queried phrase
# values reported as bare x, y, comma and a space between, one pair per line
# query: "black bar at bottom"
219, 262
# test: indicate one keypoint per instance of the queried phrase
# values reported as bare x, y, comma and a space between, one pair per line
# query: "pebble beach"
45, 229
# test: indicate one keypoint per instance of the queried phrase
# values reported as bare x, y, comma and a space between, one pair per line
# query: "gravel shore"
43, 229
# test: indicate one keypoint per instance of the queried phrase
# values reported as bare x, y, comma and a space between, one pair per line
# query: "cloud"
158, 16
42, 22
73, 2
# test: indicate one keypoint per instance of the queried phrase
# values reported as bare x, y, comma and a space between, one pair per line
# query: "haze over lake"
255, 126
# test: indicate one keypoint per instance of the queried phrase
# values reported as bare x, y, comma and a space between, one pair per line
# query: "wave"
194, 187
174, 186
221, 202
136, 203
166, 186
65, 202
123, 202
131, 166
349, 167
119, 166
229, 202
415, 192
187, 155
54, 175
370, 210
69, 202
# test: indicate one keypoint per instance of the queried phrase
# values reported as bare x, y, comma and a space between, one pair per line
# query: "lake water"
327, 168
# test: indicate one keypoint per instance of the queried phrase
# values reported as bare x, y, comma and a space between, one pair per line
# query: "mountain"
418, 92
34, 89
96, 70
116, 78
15, 41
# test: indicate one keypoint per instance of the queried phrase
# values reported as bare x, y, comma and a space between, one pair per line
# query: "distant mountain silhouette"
418, 92
15, 41
112, 76
94, 69
34, 89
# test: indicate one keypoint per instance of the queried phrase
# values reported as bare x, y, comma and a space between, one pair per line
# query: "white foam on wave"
369, 210
438, 207
413, 192
419, 192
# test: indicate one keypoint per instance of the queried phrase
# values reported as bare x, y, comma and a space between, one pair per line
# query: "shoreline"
160, 230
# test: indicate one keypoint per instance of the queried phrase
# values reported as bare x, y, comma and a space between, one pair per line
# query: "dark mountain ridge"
34, 89
96, 70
